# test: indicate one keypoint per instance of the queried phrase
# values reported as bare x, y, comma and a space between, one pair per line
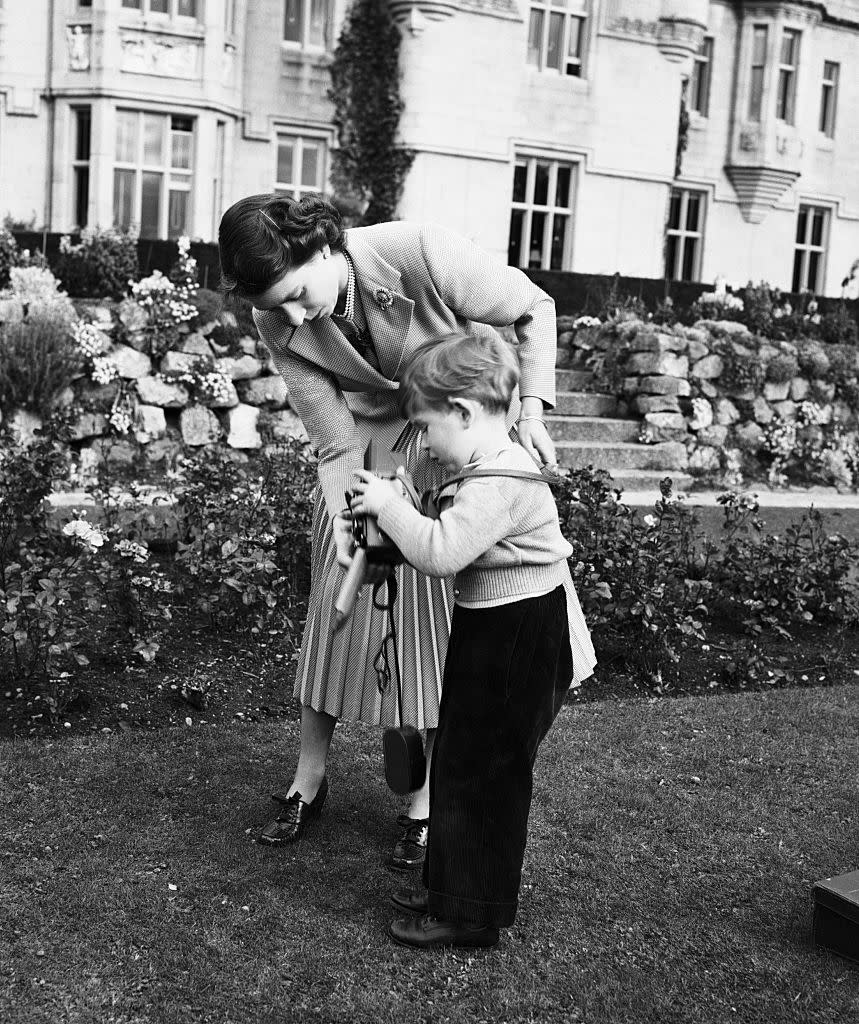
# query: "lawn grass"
668, 877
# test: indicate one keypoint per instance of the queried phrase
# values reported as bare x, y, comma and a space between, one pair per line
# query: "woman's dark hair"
262, 237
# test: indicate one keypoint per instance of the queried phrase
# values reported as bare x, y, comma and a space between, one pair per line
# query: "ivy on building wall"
369, 169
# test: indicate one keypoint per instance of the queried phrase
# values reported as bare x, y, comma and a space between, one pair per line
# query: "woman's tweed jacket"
415, 282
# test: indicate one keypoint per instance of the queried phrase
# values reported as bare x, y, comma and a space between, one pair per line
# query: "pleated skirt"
335, 672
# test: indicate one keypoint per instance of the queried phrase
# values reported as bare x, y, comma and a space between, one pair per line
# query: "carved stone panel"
78, 47
146, 54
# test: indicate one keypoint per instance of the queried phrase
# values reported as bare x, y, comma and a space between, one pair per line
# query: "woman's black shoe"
295, 812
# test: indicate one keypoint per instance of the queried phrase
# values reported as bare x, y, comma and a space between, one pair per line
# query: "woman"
340, 313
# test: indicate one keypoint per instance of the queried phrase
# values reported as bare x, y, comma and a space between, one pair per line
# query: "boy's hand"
372, 492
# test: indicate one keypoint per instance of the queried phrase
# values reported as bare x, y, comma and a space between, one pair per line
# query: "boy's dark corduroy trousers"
507, 673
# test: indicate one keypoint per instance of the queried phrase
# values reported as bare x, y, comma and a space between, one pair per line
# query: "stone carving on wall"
78, 39
750, 139
144, 54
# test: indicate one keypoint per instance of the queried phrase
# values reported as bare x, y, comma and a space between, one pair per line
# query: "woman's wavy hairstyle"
482, 368
262, 237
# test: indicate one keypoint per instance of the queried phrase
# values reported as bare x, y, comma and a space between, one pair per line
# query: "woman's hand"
372, 492
343, 540
534, 437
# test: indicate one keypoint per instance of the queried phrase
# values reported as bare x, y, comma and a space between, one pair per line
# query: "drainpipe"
49, 97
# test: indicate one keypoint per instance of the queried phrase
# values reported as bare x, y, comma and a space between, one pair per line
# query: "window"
759, 63
556, 36
542, 213
153, 173
218, 176
306, 23
230, 17
176, 8
828, 98
300, 165
786, 95
685, 236
84, 3
699, 86
809, 254
80, 164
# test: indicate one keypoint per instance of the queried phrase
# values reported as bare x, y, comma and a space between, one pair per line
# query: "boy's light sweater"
499, 536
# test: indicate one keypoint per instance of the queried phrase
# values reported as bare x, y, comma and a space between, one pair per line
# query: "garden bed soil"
202, 677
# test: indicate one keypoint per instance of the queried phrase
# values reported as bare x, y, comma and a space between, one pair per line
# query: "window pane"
671, 257
535, 38
83, 133
285, 160
802, 224
177, 213
759, 45
123, 198
817, 227
153, 139
318, 22
756, 94
556, 41
134, 4
825, 101
126, 136
150, 204
520, 178
562, 189
180, 150
789, 47
796, 277
674, 210
541, 185
514, 246
187, 8
559, 237
81, 196
693, 209
689, 254
158, 6
292, 21
310, 165
574, 49
535, 246
813, 279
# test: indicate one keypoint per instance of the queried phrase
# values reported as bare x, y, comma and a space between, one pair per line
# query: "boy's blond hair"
484, 369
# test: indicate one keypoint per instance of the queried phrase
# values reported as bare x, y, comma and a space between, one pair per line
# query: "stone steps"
584, 403
667, 456
643, 484
586, 429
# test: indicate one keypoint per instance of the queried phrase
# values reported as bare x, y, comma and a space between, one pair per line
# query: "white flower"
650, 521
129, 549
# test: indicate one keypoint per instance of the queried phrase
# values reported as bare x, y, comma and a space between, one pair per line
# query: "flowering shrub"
207, 385
167, 309
772, 582
100, 265
244, 555
38, 358
718, 305
810, 449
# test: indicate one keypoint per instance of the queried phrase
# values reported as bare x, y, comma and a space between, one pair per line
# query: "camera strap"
382, 663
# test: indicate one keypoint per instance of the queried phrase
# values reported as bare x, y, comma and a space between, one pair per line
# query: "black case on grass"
836, 914
405, 761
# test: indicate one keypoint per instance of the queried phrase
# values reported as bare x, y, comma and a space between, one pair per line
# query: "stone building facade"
702, 139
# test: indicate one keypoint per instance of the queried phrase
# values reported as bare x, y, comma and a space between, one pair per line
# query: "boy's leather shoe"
410, 849
295, 812
411, 902
427, 932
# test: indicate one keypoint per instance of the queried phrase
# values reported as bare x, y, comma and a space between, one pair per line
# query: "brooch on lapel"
384, 298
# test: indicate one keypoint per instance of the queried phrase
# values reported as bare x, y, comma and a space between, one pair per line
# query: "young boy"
518, 636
